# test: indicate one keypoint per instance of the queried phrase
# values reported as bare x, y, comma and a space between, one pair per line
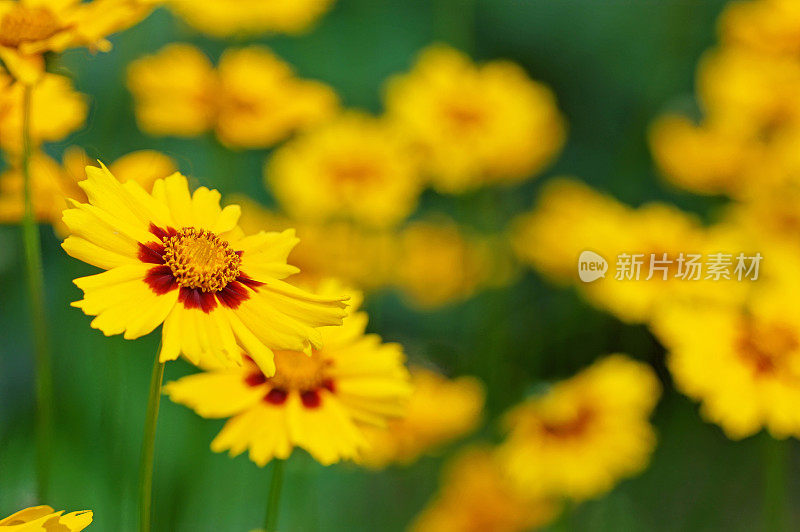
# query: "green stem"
35, 279
273, 503
148, 447
775, 461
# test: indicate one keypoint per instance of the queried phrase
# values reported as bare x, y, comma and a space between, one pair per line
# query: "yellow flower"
476, 496
437, 264
702, 158
354, 167
571, 218
318, 402
181, 260
45, 519
475, 124
56, 111
768, 25
221, 18
741, 362
252, 100
53, 185
585, 433
439, 411
359, 256
29, 28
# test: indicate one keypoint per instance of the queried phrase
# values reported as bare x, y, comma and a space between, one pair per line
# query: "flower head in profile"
741, 362
251, 100
440, 411
586, 433
45, 519
355, 167
30, 28
476, 494
318, 402
221, 18
53, 185
56, 110
180, 259
475, 124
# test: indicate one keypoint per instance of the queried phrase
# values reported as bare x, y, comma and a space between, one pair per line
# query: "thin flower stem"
41, 346
273, 502
775, 464
148, 447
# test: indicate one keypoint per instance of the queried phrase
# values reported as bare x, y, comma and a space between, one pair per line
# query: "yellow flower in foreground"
741, 362
476, 496
318, 402
475, 124
252, 100
29, 28
45, 519
221, 18
586, 433
439, 411
355, 167
53, 185
56, 111
181, 260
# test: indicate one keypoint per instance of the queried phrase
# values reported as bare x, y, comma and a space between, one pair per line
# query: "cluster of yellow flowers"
733, 346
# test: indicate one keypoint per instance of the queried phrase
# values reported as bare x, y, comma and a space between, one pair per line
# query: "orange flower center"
201, 260
766, 347
298, 371
571, 427
27, 24
463, 117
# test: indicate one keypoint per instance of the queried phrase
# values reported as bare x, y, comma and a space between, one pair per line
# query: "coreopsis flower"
741, 362
45, 519
363, 257
586, 433
475, 124
437, 263
53, 185
56, 110
30, 28
439, 411
251, 100
649, 250
355, 167
179, 259
703, 158
220, 18
477, 495
318, 402
771, 26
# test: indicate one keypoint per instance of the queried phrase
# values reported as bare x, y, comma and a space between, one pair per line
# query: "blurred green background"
614, 65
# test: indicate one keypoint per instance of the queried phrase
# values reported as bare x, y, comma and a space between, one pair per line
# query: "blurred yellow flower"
221, 18
438, 264
30, 28
355, 167
768, 25
359, 256
54, 185
318, 402
584, 434
252, 100
181, 260
439, 411
56, 110
45, 519
475, 124
476, 496
741, 362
